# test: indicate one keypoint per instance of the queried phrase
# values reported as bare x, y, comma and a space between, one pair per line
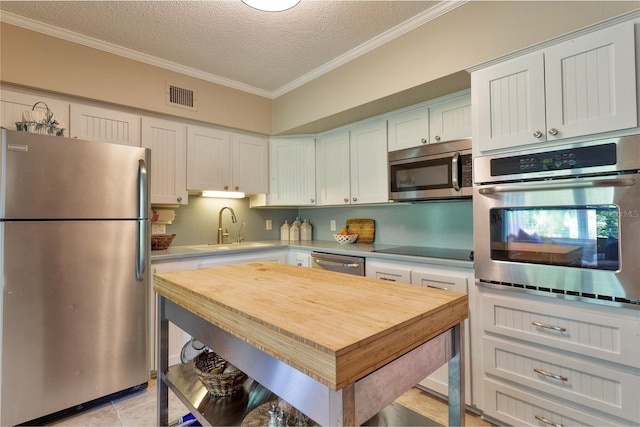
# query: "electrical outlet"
269, 225
158, 229
333, 225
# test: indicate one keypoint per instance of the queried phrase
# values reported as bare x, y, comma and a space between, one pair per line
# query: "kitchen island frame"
353, 402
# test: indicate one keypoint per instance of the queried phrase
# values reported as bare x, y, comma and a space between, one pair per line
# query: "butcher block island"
339, 348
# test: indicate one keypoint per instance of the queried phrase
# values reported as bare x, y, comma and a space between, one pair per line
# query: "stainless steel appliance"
562, 222
340, 263
431, 172
75, 240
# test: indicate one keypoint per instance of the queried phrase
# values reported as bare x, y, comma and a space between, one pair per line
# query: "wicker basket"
43, 122
161, 241
218, 384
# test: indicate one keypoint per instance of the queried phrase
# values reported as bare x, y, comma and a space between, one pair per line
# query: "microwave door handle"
454, 172
546, 186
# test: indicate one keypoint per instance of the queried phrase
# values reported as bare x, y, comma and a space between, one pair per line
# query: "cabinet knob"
355, 199
237, 188
553, 131
437, 137
537, 134
179, 199
226, 187
423, 140
313, 200
346, 200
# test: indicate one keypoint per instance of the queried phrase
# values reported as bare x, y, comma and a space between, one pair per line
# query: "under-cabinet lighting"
271, 5
224, 194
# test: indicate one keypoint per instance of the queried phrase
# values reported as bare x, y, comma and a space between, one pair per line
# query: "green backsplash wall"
437, 224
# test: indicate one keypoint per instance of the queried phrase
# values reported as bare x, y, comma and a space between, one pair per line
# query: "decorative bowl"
345, 238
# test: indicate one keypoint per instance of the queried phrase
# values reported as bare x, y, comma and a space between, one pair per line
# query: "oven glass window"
582, 237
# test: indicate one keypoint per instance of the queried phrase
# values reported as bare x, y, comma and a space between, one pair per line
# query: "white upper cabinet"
168, 143
250, 165
369, 163
450, 120
292, 173
583, 86
408, 128
352, 166
226, 161
333, 169
103, 124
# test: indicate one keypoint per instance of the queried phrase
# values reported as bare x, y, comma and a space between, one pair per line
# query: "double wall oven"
562, 222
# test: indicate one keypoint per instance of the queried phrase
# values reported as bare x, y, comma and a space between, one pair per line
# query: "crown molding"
50, 30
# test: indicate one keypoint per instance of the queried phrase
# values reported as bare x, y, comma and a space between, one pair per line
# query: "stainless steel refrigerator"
74, 249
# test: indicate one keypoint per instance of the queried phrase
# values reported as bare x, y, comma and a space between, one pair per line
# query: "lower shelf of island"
232, 410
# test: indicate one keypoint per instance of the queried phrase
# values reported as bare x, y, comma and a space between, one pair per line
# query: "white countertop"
356, 249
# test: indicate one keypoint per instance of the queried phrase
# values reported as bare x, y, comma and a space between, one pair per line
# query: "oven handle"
581, 183
454, 171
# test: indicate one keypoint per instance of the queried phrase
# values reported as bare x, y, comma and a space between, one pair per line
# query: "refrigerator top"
54, 178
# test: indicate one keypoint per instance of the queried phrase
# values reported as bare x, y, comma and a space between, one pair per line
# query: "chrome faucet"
223, 234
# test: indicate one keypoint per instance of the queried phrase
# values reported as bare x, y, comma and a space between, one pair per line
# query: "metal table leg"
163, 363
456, 378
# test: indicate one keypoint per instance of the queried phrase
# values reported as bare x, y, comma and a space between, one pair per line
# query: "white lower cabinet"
301, 258
454, 279
559, 362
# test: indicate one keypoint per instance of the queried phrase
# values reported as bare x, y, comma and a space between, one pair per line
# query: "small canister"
306, 231
284, 231
294, 233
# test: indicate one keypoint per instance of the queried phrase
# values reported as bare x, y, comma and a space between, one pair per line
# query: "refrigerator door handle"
141, 228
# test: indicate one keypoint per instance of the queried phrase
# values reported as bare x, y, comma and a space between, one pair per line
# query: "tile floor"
139, 410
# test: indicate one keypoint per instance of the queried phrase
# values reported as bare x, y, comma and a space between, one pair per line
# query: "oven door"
575, 238
441, 176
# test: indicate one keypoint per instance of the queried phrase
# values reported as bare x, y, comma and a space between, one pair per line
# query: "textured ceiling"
227, 41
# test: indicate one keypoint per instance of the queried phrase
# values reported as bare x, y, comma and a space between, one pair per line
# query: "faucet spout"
222, 234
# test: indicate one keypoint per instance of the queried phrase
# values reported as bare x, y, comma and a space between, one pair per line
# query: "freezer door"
75, 318
49, 177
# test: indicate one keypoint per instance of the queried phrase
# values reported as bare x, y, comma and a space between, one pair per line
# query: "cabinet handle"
226, 187
550, 375
346, 200
547, 326
437, 137
313, 200
537, 134
423, 140
553, 131
237, 188
355, 199
546, 421
179, 199
387, 279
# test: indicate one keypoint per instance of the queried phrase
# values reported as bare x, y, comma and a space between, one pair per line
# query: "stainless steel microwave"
431, 172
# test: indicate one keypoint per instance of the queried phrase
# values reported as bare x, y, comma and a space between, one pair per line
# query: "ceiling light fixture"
271, 5
223, 194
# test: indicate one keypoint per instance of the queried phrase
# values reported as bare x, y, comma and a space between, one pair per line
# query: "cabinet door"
292, 172
208, 159
389, 274
450, 120
168, 143
300, 258
250, 164
590, 83
509, 105
333, 166
409, 128
102, 124
369, 164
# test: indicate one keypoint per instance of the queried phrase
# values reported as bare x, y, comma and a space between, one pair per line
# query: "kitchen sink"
228, 246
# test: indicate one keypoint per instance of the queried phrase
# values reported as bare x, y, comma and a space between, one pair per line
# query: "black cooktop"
456, 254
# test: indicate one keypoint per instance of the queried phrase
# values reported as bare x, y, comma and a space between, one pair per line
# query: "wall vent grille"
181, 97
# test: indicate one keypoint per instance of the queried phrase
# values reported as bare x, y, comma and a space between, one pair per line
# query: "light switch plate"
333, 225
158, 229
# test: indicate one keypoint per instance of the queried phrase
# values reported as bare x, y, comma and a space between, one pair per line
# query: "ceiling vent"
177, 96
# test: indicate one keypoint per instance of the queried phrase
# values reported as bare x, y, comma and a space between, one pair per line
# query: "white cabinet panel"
168, 143
369, 164
250, 165
409, 128
103, 124
333, 169
300, 258
450, 120
208, 159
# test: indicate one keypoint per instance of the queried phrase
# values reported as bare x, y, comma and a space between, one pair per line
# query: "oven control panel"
574, 158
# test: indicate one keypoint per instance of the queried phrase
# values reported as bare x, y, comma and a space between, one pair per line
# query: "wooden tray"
365, 228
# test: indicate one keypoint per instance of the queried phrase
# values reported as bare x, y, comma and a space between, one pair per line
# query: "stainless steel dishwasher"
340, 263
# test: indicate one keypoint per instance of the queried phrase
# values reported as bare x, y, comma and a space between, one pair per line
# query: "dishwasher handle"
338, 264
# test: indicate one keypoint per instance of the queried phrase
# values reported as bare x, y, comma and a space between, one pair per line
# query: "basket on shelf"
161, 241
211, 369
42, 122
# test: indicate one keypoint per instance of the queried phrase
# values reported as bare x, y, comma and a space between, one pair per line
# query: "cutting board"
364, 228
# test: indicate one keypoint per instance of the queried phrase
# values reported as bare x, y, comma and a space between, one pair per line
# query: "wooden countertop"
336, 328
